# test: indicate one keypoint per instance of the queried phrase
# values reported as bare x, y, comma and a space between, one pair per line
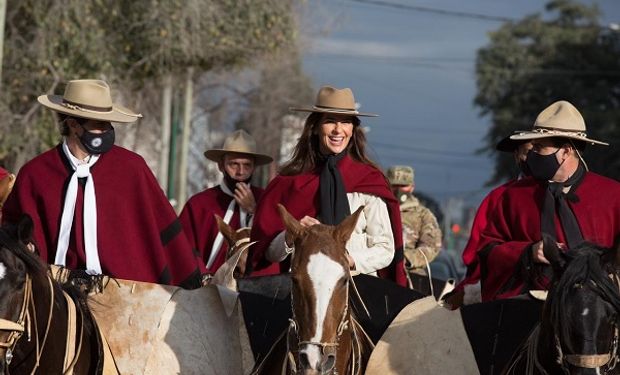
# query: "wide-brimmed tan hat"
239, 142
332, 100
90, 99
561, 119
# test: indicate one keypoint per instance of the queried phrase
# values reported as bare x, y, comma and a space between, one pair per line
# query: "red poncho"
470, 253
515, 225
299, 194
199, 222
139, 236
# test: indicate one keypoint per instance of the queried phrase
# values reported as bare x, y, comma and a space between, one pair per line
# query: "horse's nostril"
328, 362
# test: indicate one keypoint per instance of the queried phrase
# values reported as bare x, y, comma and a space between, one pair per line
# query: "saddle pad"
158, 329
423, 339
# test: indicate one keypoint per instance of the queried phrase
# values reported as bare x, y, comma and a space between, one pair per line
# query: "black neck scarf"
556, 199
334, 205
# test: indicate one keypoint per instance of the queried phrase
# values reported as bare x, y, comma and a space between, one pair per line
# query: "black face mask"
542, 167
97, 143
231, 183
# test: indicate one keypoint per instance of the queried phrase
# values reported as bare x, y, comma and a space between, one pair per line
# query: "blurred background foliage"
135, 46
563, 54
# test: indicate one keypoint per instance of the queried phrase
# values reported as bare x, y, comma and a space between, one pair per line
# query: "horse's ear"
345, 228
226, 230
553, 254
24, 228
292, 225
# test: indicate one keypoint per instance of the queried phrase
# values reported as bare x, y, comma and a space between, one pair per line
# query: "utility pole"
166, 115
2, 22
172, 161
187, 129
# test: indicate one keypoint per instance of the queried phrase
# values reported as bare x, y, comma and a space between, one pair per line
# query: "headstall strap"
594, 360
18, 327
342, 326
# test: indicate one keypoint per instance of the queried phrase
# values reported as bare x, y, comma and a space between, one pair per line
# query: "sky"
415, 69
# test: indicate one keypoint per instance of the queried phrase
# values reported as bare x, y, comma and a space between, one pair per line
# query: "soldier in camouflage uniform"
421, 233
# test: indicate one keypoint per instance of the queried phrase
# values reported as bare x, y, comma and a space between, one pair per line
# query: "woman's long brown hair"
306, 154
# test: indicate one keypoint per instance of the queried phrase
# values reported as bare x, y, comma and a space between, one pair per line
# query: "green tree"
134, 45
564, 54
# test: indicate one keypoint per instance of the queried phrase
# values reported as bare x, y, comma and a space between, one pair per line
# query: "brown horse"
44, 327
323, 337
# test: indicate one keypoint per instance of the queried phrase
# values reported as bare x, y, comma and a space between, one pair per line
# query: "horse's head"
583, 308
237, 245
320, 281
13, 286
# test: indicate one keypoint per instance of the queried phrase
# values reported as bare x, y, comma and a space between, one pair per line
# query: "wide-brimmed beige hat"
239, 142
561, 119
90, 99
332, 100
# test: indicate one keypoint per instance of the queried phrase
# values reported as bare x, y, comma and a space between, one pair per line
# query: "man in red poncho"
468, 290
562, 200
96, 206
234, 199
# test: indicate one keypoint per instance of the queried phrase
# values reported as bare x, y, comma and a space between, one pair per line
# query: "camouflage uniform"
421, 233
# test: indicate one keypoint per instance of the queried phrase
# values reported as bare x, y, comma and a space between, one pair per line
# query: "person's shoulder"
127, 157
206, 195
43, 160
601, 182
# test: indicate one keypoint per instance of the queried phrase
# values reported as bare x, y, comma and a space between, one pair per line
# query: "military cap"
400, 175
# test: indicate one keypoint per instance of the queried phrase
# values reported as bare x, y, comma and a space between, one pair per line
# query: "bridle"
324, 347
608, 360
16, 328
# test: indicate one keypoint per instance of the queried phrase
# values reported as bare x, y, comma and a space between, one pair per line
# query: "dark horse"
578, 333
45, 327
323, 337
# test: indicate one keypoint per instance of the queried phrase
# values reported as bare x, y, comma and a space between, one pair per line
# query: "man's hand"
244, 197
538, 255
308, 221
454, 300
351, 261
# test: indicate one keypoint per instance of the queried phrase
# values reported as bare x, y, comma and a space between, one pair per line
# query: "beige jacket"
372, 243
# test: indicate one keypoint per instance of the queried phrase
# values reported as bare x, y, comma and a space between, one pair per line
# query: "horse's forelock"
583, 268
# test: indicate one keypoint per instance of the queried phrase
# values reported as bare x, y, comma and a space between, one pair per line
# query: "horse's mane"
585, 267
74, 286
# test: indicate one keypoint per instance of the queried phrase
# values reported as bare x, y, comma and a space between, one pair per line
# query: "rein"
23, 324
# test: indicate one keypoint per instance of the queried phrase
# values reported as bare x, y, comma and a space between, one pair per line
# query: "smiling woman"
328, 177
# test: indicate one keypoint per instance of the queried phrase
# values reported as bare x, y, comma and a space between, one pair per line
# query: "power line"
442, 12
427, 150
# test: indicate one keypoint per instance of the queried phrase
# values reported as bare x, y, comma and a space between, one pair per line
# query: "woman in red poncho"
328, 177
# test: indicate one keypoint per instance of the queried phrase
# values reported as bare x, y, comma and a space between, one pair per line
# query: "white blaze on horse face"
585, 312
2, 270
324, 273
